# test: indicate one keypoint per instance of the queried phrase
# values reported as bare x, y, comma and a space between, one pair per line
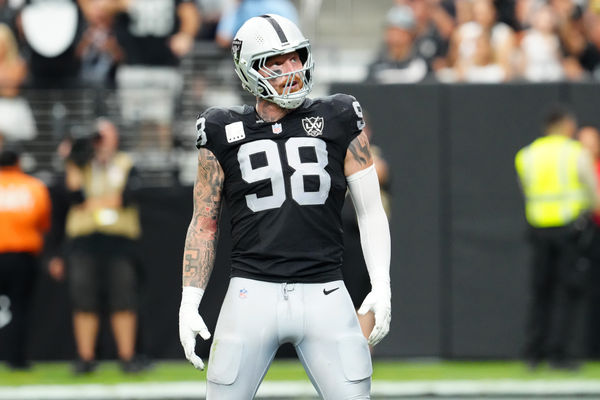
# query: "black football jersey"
284, 185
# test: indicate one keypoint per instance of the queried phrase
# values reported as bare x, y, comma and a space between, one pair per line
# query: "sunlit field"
401, 380
175, 371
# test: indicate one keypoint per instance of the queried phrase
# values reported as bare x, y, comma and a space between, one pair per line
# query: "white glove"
191, 324
378, 301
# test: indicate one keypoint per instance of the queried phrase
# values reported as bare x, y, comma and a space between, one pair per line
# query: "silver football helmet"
263, 37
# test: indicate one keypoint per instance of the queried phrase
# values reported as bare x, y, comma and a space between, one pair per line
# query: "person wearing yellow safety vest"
558, 182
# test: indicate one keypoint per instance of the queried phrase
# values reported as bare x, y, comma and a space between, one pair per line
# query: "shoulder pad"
348, 106
341, 98
213, 120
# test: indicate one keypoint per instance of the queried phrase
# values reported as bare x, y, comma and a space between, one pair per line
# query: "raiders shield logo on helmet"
313, 125
236, 48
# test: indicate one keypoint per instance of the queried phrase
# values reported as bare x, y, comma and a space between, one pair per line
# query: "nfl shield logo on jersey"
313, 125
277, 128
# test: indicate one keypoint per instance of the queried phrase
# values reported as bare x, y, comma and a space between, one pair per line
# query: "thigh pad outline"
224, 361
355, 358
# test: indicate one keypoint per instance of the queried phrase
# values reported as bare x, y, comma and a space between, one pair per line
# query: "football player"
283, 167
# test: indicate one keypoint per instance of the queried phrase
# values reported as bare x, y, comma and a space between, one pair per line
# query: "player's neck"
270, 112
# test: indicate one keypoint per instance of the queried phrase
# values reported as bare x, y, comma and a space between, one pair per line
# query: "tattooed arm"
201, 240
358, 156
199, 252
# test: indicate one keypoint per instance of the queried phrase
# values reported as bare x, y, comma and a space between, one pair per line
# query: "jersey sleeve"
351, 114
208, 126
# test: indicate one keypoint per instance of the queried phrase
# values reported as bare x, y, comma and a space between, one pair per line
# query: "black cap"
9, 156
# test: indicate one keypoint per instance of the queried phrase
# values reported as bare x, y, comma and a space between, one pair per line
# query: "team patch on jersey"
277, 128
235, 132
313, 125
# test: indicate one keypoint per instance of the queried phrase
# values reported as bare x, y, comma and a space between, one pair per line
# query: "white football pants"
317, 318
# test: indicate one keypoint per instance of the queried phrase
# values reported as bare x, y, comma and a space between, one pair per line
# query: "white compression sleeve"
373, 224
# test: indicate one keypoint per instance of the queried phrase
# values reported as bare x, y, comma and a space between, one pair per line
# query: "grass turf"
109, 372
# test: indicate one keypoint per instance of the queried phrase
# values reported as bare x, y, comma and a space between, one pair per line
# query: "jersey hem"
320, 278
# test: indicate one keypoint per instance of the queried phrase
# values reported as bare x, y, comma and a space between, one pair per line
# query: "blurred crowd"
490, 41
129, 49
135, 50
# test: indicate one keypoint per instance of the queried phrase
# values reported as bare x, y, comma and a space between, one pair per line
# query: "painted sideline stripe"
196, 390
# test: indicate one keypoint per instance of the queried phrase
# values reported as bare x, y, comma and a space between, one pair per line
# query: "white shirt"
541, 54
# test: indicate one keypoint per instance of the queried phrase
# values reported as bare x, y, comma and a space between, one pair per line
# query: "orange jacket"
24, 212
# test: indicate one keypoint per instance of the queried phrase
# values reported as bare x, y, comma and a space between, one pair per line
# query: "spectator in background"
589, 137
483, 68
17, 122
505, 10
155, 35
571, 32
434, 26
98, 49
24, 218
590, 58
51, 31
464, 40
242, 10
542, 58
399, 61
558, 180
523, 11
102, 228
210, 13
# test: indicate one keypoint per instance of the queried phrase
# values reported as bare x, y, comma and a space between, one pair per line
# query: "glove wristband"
191, 296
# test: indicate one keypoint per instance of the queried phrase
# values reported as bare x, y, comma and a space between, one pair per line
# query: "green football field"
109, 373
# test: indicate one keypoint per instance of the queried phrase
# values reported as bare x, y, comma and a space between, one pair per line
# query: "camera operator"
102, 227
